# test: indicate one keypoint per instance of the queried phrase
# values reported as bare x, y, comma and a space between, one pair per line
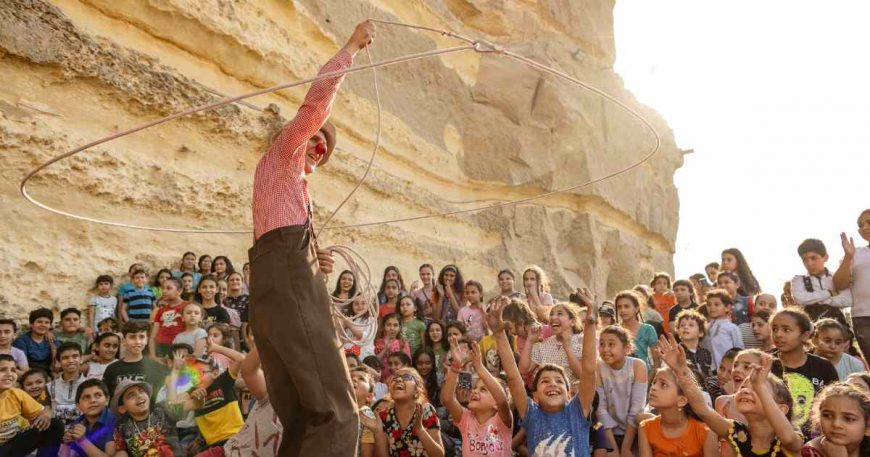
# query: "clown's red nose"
320, 149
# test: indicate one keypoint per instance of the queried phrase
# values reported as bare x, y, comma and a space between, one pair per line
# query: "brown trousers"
307, 378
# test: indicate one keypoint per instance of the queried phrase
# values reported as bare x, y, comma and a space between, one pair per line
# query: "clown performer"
308, 382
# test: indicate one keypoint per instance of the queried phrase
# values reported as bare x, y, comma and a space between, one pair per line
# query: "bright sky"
773, 97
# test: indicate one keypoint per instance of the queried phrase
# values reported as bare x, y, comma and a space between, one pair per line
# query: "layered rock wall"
459, 131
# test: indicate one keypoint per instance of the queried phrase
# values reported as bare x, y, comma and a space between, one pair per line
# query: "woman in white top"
854, 273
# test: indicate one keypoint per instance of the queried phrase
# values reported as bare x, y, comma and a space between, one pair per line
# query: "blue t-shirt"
196, 277
38, 354
139, 303
101, 432
563, 433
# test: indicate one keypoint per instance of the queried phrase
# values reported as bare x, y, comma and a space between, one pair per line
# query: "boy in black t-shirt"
135, 366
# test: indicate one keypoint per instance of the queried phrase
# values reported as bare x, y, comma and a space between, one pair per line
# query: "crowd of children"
704, 366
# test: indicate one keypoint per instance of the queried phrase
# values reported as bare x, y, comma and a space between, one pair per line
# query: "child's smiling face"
9, 374
34, 384
134, 402
552, 391
506, 282
716, 308
7, 332
345, 282
435, 333
41, 326
71, 323
70, 361
742, 366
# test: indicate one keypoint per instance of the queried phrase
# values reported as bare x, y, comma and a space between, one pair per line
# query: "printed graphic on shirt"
489, 444
803, 393
168, 318
556, 446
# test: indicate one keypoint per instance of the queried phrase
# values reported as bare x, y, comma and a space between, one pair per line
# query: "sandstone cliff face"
459, 131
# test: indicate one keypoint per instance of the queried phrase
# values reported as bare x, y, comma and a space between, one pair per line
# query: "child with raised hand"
765, 402
841, 413
105, 351
537, 291
193, 334
806, 374
675, 430
761, 330
854, 274
643, 335
555, 422
722, 334
622, 386
37, 344
103, 304
663, 296
413, 328
436, 340
830, 340
487, 424
390, 340
168, 319
472, 313
565, 321
422, 433
392, 295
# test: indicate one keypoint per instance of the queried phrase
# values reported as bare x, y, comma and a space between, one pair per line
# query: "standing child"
722, 334
26, 424
448, 294
806, 374
675, 430
565, 322
63, 388
105, 351
134, 366
437, 342
40, 351
537, 292
89, 434
854, 274
831, 340
741, 312
390, 340
622, 384
238, 299
663, 296
188, 267
71, 330
552, 418
842, 414
761, 330
206, 293
193, 334
643, 335
734, 261
764, 401
424, 295
815, 291
8, 328
413, 328
188, 287
392, 295
472, 313
141, 429
691, 327
136, 303
487, 423
103, 304
159, 278
684, 296
168, 321
421, 432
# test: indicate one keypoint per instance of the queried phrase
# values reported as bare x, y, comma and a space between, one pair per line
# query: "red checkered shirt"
280, 191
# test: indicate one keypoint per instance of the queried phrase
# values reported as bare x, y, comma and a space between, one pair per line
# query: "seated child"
25, 424
35, 382
364, 391
71, 329
375, 367
35, 343
63, 388
141, 430
761, 330
831, 339
133, 364
89, 434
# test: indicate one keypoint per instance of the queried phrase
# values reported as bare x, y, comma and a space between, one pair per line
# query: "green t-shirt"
78, 337
413, 332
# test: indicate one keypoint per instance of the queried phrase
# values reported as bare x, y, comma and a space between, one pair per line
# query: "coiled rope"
356, 262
